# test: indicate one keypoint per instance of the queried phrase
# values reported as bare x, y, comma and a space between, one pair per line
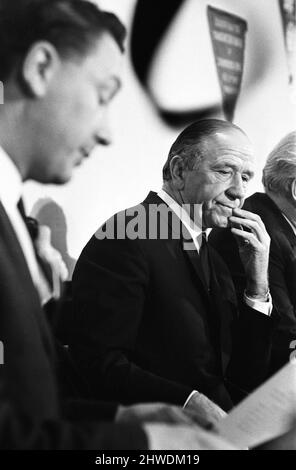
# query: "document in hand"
265, 414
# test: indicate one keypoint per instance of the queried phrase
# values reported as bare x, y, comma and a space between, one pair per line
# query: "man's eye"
224, 172
245, 178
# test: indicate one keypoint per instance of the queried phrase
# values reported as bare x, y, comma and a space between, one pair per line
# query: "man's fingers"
248, 215
246, 238
252, 225
200, 419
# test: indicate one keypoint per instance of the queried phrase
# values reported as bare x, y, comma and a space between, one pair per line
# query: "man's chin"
63, 178
217, 221
58, 179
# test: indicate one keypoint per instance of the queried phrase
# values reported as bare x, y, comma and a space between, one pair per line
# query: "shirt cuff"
259, 305
189, 398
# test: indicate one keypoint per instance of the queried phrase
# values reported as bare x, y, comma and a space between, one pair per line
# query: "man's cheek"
219, 218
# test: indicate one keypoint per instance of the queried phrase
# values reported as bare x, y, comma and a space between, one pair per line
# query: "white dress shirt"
194, 227
10, 194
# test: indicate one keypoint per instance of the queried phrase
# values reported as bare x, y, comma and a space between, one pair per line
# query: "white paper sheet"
265, 414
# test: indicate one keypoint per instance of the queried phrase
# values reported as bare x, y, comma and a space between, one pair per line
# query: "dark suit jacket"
147, 328
30, 410
282, 271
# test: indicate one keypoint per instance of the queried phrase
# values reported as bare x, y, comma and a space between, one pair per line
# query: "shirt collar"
290, 223
193, 227
10, 181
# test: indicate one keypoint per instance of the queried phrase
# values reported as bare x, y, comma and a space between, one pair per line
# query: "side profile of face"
70, 118
221, 178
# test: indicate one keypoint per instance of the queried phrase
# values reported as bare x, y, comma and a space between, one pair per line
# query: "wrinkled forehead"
230, 143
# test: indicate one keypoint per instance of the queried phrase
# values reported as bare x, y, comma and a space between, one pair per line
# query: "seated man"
156, 313
277, 209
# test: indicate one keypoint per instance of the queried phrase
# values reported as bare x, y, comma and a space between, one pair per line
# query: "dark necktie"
31, 224
32, 227
204, 259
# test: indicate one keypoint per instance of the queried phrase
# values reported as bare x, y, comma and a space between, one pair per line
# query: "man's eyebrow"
233, 166
221, 164
251, 173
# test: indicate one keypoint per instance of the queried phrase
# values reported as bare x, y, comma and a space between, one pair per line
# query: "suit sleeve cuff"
189, 398
261, 306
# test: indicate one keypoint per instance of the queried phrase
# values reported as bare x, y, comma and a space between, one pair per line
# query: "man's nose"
236, 189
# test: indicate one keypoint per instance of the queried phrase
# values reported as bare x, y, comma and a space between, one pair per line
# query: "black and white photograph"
147, 228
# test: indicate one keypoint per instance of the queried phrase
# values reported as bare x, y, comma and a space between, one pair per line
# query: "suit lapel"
215, 297
287, 230
12, 243
192, 255
224, 303
32, 228
13, 248
178, 231
263, 205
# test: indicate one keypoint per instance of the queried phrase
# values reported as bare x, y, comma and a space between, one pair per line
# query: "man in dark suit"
60, 65
277, 209
156, 313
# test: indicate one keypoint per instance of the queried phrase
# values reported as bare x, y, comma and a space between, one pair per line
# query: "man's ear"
177, 169
293, 190
39, 67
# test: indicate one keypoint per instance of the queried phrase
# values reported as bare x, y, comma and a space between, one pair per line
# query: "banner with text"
288, 11
228, 34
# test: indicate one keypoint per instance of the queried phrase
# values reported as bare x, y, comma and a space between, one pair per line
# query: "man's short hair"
189, 144
72, 26
280, 167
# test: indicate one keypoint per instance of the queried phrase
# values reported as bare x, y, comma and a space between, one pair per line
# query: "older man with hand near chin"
156, 314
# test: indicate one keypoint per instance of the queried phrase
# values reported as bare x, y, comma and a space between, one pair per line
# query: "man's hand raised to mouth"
253, 242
